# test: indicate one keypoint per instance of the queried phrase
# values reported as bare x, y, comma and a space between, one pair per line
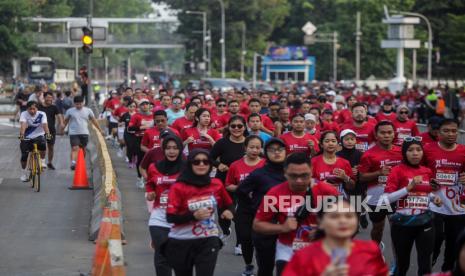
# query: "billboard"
288, 53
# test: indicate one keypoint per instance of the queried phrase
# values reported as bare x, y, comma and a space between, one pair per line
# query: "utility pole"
90, 93
334, 56
209, 44
243, 52
223, 42
358, 35
414, 65
254, 77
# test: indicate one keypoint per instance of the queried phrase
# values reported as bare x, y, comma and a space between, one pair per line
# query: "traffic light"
87, 40
124, 68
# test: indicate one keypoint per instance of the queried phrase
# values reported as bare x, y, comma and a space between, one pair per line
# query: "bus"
40, 69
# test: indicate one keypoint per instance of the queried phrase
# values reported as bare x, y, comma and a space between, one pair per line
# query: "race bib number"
206, 202
164, 200
445, 177
298, 244
415, 201
362, 146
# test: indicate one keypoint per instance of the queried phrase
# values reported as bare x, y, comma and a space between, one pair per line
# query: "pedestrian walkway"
42, 233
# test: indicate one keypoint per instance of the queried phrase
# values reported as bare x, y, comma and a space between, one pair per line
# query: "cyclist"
33, 128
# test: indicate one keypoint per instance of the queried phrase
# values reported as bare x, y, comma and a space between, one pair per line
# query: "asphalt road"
41, 233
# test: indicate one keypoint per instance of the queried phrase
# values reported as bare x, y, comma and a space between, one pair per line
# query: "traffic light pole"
90, 93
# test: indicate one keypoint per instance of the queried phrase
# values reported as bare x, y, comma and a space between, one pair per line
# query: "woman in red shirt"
410, 186
195, 202
336, 253
329, 167
161, 176
200, 135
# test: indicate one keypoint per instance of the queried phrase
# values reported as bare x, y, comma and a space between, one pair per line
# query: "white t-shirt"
34, 123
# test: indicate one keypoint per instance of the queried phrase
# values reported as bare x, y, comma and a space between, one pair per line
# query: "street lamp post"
223, 42
430, 40
204, 34
243, 52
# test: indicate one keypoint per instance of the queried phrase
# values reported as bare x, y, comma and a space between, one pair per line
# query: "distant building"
288, 63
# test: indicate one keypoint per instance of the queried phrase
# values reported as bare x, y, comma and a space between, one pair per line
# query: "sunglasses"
176, 102
239, 126
403, 112
411, 138
221, 105
197, 162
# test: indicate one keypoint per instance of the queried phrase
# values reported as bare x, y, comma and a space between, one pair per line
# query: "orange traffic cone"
80, 181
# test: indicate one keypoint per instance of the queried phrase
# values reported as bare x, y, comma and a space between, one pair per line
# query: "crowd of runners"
263, 162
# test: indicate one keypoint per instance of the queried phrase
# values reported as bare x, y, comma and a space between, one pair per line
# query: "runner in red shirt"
404, 127
241, 168
220, 111
139, 123
387, 112
337, 253
200, 135
267, 123
161, 176
375, 165
195, 202
233, 109
331, 168
188, 120
345, 116
296, 223
310, 126
446, 159
431, 136
299, 141
327, 121
363, 129
410, 186
151, 138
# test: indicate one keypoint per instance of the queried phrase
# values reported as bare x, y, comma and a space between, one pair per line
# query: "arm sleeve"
216, 152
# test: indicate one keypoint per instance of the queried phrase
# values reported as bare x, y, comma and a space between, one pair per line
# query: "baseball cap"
387, 102
331, 93
347, 132
310, 117
328, 111
143, 101
339, 99
166, 132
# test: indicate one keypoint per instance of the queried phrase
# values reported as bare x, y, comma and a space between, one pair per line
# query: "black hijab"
279, 167
189, 177
170, 167
405, 146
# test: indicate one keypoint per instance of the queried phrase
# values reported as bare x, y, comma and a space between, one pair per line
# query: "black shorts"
27, 146
379, 216
80, 140
112, 126
52, 141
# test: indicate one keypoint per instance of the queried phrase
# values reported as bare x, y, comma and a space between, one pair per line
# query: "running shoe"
140, 183
50, 166
249, 270
24, 177
393, 268
238, 250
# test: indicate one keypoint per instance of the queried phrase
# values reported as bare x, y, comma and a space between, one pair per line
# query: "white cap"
347, 131
340, 99
331, 93
310, 117
208, 97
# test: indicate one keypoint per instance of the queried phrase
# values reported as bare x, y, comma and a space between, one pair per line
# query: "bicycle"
34, 167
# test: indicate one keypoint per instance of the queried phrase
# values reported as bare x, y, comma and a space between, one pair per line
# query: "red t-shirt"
160, 184
345, 116
151, 138
200, 142
298, 144
365, 134
365, 258
113, 104
417, 200
333, 126
404, 129
281, 210
381, 116
244, 108
375, 158
120, 111
426, 138
138, 120
181, 123
324, 172
446, 167
239, 170
152, 156
184, 198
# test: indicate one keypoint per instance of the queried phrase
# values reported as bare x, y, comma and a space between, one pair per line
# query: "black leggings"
131, 145
139, 153
280, 265
184, 255
243, 222
265, 248
447, 228
403, 238
159, 236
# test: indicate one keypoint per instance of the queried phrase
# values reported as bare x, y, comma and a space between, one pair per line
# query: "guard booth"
288, 63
